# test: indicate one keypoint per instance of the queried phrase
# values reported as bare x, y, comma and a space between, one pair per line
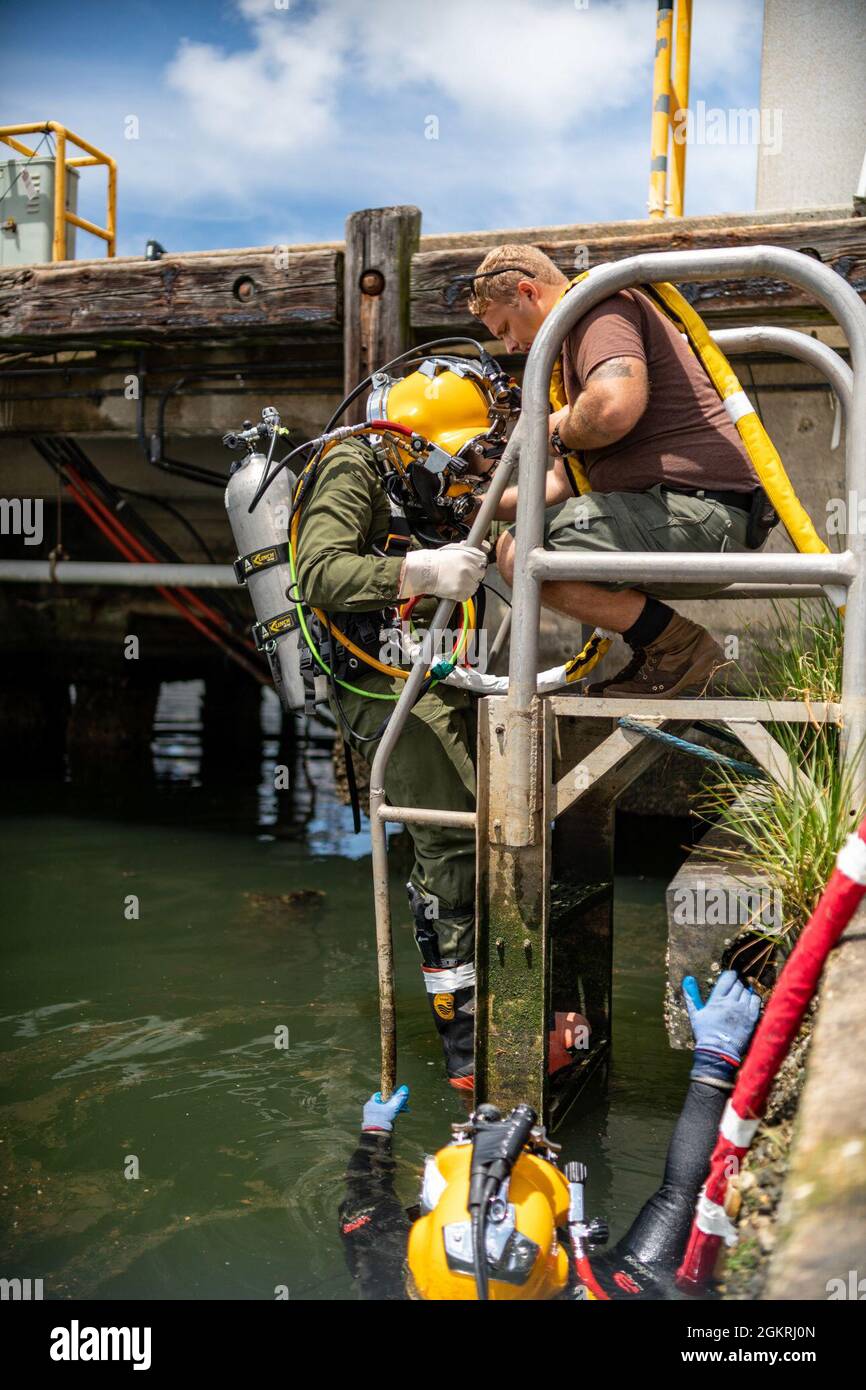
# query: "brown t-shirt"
684, 437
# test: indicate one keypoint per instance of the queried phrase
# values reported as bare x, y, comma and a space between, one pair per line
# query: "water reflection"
156, 1036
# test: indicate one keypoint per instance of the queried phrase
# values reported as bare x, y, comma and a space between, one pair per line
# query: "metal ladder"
563, 758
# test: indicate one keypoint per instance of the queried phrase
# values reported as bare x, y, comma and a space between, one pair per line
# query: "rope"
724, 734
697, 751
24, 165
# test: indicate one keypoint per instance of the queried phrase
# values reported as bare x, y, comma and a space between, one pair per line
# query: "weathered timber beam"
840, 243
630, 227
227, 296
380, 244
202, 297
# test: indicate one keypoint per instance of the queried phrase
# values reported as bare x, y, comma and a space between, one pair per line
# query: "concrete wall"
814, 72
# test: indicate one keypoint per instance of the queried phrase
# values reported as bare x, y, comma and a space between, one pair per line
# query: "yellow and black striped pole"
661, 118
680, 103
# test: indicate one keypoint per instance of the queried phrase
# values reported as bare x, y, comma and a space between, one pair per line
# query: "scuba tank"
262, 565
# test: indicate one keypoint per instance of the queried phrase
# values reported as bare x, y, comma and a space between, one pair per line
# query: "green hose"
356, 690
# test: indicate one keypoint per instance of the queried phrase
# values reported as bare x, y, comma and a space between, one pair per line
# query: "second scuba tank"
262, 565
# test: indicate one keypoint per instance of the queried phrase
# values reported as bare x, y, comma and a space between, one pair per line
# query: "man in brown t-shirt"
665, 463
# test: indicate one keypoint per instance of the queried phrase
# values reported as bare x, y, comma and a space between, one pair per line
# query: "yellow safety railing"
670, 105
680, 102
90, 156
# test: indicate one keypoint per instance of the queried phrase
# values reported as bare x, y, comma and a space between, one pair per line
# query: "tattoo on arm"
614, 367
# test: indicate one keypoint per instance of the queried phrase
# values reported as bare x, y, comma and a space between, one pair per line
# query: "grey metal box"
29, 201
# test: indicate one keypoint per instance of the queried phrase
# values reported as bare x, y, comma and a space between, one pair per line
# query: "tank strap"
259, 560
266, 633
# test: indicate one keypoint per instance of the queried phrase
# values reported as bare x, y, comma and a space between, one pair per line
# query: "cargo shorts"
658, 519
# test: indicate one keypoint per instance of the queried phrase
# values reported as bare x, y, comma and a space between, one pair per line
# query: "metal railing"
790, 342
533, 564
90, 156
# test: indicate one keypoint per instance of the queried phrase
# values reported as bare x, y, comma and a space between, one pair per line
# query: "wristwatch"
557, 445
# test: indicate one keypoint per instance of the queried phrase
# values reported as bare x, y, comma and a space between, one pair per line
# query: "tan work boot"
631, 668
681, 661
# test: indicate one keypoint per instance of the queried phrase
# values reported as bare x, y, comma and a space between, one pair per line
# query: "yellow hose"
395, 672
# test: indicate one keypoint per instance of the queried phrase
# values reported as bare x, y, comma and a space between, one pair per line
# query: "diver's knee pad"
451, 996
446, 940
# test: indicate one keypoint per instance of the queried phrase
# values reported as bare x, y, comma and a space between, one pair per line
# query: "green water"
150, 1043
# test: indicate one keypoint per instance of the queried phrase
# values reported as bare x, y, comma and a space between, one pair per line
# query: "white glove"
454, 572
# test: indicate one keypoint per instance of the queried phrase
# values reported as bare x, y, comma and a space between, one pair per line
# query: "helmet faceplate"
458, 411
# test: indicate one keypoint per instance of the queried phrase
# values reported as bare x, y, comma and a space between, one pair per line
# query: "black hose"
178, 515
479, 1251
418, 351
354, 800
269, 476
415, 352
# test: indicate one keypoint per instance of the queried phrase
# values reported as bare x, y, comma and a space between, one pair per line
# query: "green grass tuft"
791, 835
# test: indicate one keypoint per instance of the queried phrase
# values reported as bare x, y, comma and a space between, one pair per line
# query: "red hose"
584, 1272
773, 1037
140, 550
378, 426
130, 548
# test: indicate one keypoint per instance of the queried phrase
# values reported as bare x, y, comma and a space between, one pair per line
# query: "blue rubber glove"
722, 1027
380, 1114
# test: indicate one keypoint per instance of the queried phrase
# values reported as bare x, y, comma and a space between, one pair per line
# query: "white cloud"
545, 65
531, 99
274, 98
543, 108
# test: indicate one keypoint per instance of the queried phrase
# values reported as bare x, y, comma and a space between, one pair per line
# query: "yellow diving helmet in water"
456, 410
525, 1257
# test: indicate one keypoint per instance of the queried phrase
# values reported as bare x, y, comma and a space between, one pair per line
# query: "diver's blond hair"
502, 289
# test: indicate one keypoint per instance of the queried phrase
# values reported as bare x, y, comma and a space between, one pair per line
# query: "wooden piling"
380, 244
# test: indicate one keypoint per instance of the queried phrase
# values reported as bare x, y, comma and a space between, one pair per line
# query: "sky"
256, 122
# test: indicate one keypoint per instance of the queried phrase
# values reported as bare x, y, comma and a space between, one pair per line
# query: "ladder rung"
769, 711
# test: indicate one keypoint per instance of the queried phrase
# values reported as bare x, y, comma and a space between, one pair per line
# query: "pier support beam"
33, 716
545, 905
513, 914
111, 720
380, 244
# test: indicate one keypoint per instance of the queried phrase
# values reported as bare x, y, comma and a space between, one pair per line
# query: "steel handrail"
531, 561
792, 343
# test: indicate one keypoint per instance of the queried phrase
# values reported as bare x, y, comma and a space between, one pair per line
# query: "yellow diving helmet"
525, 1258
456, 412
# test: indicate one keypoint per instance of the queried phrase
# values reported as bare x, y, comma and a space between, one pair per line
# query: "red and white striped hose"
773, 1037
